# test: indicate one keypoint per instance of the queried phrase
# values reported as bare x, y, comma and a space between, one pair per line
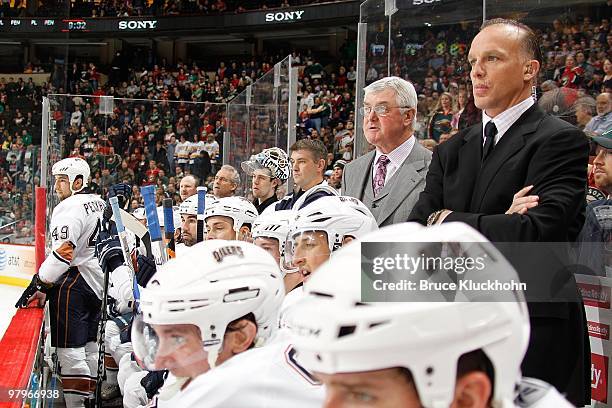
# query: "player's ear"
77, 184
473, 390
347, 239
241, 337
244, 234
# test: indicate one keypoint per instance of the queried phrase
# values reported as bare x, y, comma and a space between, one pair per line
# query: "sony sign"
138, 25
284, 16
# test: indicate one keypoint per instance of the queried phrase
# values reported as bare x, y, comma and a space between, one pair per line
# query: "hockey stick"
102, 332
169, 227
157, 244
133, 225
201, 208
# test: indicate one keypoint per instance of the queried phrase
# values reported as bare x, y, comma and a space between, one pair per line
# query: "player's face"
310, 250
180, 350
189, 228
187, 188
220, 227
62, 187
263, 186
387, 388
306, 170
498, 74
270, 245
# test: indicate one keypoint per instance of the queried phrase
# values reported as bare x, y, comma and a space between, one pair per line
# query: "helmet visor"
307, 247
174, 347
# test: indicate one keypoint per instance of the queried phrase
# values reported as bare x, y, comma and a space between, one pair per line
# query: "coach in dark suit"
483, 177
388, 179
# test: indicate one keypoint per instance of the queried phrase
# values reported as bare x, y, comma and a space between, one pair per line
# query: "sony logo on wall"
138, 25
284, 16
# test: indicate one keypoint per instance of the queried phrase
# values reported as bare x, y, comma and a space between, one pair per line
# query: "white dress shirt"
506, 119
396, 158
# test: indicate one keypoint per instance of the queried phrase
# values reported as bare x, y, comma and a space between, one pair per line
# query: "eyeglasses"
380, 110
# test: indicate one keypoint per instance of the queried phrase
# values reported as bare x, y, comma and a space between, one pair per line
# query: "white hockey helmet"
336, 332
212, 284
338, 216
72, 167
274, 159
190, 205
239, 209
275, 225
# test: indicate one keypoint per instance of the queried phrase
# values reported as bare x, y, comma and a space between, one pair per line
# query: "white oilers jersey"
289, 300
180, 249
169, 395
121, 288
75, 224
265, 377
534, 393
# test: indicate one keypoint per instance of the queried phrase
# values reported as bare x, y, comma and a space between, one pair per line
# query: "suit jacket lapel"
469, 165
361, 177
511, 142
402, 183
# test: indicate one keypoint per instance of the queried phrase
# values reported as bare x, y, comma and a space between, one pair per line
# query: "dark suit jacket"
551, 155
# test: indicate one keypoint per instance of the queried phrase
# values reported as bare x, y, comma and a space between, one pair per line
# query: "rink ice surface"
8, 297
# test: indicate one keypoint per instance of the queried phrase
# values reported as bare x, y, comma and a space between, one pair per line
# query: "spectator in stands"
585, 109
440, 122
227, 181
602, 164
603, 121
572, 75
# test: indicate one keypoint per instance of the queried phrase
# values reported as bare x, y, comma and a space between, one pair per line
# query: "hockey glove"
152, 382
123, 192
146, 269
35, 286
108, 251
125, 335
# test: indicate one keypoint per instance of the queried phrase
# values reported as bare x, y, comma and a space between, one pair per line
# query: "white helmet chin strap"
213, 354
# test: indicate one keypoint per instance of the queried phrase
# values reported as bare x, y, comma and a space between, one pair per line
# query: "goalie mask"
273, 159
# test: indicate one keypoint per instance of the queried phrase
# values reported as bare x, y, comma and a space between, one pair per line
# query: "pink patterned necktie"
381, 174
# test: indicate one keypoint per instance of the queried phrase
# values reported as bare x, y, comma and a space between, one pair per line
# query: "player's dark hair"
316, 147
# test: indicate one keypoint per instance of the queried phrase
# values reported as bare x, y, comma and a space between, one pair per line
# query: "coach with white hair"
390, 178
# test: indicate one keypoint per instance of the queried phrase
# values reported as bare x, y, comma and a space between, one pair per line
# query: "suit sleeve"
65, 232
558, 171
431, 198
